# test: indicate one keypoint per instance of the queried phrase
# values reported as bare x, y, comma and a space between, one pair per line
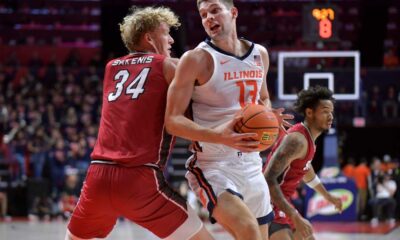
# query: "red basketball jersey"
295, 172
132, 129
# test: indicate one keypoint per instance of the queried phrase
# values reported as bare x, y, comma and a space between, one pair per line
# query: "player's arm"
190, 68
264, 95
178, 99
169, 67
293, 146
312, 180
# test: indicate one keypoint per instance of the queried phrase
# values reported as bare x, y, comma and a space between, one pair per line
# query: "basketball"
257, 119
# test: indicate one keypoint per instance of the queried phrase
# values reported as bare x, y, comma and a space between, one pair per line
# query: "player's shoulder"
261, 48
169, 67
196, 56
196, 53
171, 61
295, 138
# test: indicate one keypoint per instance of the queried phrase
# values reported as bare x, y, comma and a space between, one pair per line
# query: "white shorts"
240, 175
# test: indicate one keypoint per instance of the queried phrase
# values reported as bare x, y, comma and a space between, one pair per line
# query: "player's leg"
279, 231
193, 229
3, 203
202, 234
264, 231
233, 214
93, 217
257, 198
219, 191
158, 207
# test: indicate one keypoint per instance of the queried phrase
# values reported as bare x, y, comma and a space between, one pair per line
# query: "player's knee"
203, 234
248, 228
191, 227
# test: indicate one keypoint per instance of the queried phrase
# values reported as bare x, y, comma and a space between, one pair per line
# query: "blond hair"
227, 3
144, 20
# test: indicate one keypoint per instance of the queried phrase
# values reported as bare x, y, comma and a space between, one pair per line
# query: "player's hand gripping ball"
257, 119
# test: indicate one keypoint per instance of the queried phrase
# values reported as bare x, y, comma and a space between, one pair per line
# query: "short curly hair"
309, 98
144, 20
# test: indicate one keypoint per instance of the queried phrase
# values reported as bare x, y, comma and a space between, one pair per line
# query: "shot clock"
320, 23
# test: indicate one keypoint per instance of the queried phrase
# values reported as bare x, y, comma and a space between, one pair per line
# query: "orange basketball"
257, 119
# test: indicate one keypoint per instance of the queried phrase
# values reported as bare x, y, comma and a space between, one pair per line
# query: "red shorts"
281, 218
140, 194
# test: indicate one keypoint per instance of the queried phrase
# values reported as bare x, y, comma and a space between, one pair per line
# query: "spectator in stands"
35, 63
5, 81
38, 147
384, 200
390, 58
376, 170
58, 164
17, 144
388, 166
360, 105
390, 105
373, 178
3, 206
70, 194
12, 60
41, 208
73, 59
79, 156
375, 104
3, 203
361, 173
96, 61
348, 169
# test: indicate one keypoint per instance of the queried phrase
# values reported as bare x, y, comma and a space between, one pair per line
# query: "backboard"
337, 70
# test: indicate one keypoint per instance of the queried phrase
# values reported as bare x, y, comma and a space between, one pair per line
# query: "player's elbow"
170, 129
170, 124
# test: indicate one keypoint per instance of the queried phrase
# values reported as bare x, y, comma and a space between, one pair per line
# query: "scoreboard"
320, 23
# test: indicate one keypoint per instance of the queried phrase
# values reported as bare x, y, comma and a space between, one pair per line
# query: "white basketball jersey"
235, 82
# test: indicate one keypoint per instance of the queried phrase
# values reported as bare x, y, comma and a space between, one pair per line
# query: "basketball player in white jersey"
220, 76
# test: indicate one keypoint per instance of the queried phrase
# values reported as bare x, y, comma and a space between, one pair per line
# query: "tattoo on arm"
281, 159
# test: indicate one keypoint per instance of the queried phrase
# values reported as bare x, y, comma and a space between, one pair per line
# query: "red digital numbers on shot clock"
325, 16
320, 23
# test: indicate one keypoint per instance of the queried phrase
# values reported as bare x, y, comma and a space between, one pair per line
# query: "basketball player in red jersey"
290, 162
125, 177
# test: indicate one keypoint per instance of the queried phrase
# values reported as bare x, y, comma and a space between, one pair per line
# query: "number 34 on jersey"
135, 87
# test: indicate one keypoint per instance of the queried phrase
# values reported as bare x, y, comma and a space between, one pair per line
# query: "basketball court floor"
55, 230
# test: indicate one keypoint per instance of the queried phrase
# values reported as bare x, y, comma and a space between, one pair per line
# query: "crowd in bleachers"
49, 120
59, 23
377, 185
